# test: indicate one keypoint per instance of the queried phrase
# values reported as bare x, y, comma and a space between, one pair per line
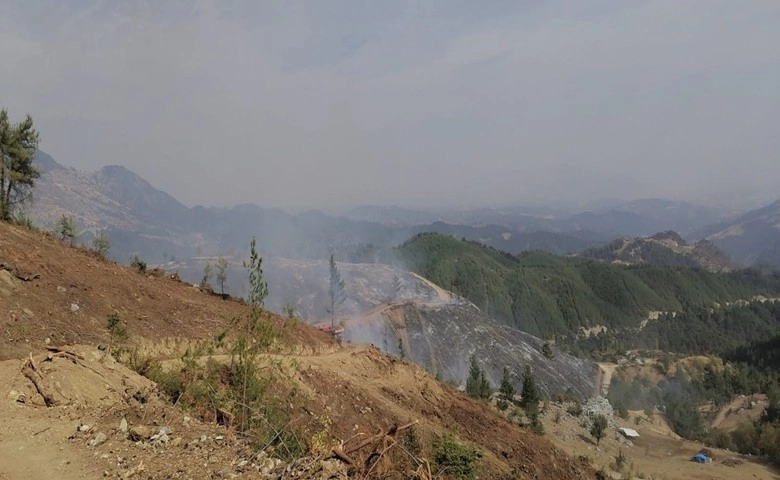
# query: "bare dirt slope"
63, 409
51, 290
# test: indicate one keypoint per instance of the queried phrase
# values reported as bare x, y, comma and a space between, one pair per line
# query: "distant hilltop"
664, 248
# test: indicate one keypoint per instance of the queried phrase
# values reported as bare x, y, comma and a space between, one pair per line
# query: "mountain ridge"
663, 248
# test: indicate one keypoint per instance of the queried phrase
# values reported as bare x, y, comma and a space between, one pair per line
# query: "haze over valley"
390, 240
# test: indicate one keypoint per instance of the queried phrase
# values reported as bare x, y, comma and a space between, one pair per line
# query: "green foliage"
222, 268
289, 310
205, 282
254, 337
101, 243
18, 142
66, 229
529, 396
258, 288
534, 418
704, 330
550, 296
529, 400
117, 330
411, 441
401, 349
477, 385
598, 428
683, 414
761, 353
20, 218
575, 408
137, 264
680, 396
507, 391
242, 393
336, 294
547, 350
454, 459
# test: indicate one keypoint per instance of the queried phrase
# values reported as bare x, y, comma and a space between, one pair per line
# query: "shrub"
599, 428
66, 229
117, 331
574, 409
411, 441
101, 244
455, 459
23, 220
137, 264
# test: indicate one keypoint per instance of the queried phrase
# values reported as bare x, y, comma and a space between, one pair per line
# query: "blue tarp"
701, 458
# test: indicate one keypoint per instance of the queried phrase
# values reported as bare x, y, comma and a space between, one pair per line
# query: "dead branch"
28, 278
342, 456
55, 352
30, 371
41, 431
381, 443
58, 350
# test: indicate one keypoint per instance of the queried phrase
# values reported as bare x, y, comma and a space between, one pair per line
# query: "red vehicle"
333, 332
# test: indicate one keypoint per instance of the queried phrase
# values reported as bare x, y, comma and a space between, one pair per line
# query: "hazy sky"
416, 102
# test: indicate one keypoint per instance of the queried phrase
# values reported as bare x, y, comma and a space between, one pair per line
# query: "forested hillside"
664, 248
738, 332
552, 296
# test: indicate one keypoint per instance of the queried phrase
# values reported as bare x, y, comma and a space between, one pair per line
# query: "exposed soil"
743, 409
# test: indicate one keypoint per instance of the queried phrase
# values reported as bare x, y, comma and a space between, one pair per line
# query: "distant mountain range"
752, 238
141, 219
666, 248
638, 218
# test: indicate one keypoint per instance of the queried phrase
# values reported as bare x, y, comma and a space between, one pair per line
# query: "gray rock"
123, 426
83, 428
74, 307
99, 439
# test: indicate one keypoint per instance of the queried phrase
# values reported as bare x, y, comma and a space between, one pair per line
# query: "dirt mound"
743, 409
102, 420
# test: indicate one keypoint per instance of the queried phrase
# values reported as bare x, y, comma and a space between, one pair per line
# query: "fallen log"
30, 371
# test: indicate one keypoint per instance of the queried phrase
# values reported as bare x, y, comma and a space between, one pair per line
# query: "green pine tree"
529, 395
506, 390
222, 269
473, 380
18, 143
336, 294
484, 386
